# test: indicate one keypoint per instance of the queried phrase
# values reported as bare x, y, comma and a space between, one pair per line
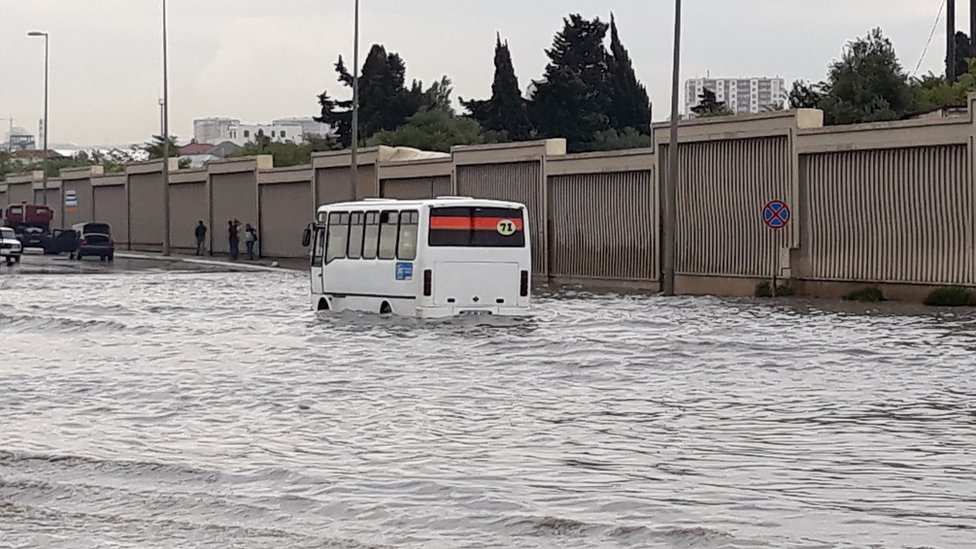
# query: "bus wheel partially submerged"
432, 258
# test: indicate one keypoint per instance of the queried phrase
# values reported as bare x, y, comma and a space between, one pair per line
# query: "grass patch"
866, 295
765, 289
952, 296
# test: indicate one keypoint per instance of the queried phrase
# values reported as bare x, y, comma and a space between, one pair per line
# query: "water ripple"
214, 409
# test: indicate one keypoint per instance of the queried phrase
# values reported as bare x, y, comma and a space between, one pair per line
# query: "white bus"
431, 258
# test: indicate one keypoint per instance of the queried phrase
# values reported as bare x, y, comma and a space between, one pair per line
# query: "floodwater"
201, 409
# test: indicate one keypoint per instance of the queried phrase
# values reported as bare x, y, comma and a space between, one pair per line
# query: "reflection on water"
216, 410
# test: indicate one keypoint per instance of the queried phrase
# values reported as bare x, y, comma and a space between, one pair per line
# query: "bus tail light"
524, 284
428, 282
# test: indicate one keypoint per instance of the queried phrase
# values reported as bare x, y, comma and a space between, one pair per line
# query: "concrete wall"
187, 206
144, 195
424, 178
53, 196
109, 206
892, 204
415, 187
20, 188
286, 207
78, 180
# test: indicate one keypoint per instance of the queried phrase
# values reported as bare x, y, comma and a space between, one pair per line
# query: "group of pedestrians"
233, 238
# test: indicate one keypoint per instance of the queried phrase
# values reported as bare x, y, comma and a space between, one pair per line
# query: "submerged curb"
195, 261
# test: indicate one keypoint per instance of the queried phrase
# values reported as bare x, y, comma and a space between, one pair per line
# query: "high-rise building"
740, 95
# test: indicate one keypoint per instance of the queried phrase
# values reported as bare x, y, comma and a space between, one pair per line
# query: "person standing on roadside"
233, 238
250, 237
201, 234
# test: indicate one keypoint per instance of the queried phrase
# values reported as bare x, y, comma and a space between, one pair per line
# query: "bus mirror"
307, 237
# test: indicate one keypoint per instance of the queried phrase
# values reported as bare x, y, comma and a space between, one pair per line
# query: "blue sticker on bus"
404, 271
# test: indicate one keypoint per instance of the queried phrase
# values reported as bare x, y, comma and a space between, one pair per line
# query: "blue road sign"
776, 214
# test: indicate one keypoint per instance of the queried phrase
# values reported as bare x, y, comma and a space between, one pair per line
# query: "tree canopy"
432, 130
630, 105
505, 112
573, 100
709, 105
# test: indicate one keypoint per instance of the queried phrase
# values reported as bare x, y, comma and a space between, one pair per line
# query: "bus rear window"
476, 227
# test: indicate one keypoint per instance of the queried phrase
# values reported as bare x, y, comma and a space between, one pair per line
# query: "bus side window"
389, 223
318, 246
338, 236
407, 245
356, 235
371, 236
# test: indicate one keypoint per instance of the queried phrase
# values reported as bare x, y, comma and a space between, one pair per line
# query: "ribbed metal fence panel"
890, 215
519, 182
604, 225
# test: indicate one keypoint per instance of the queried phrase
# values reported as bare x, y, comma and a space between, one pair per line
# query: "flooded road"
160, 409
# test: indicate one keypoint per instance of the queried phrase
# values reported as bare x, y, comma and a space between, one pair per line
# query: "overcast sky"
257, 60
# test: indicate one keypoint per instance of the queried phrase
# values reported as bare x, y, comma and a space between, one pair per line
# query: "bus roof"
439, 202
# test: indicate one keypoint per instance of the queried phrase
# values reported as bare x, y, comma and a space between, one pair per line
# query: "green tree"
6, 165
710, 106
631, 107
505, 113
574, 100
155, 147
629, 138
867, 84
432, 130
964, 52
805, 95
385, 102
288, 153
932, 92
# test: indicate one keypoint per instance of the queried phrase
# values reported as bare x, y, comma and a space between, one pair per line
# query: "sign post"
776, 215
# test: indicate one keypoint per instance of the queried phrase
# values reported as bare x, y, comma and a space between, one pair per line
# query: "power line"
935, 26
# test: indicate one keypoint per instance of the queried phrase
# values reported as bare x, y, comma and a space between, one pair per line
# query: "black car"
32, 237
60, 242
94, 239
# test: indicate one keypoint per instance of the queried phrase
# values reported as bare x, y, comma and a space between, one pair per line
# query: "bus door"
318, 255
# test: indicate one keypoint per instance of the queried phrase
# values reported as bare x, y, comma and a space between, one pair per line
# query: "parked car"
60, 242
10, 248
94, 239
32, 237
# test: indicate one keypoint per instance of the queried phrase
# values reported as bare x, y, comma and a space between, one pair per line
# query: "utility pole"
972, 25
46, 37
353, 161
951, 41
671, 186
165, 140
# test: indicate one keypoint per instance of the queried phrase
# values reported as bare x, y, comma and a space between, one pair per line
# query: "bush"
867, 295
764, 289
953, 296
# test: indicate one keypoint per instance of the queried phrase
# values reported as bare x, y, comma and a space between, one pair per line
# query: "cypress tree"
631, 105
506, 110
574, 99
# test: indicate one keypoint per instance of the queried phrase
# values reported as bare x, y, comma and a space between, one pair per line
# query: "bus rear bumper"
449, 312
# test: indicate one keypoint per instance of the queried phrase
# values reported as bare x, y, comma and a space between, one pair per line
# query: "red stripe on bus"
471, 223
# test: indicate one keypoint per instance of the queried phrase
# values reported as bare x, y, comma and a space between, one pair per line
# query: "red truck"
23, 216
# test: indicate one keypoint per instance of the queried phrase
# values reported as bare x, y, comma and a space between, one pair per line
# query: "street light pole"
671, 186
353, 162
45, 35
165, 139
